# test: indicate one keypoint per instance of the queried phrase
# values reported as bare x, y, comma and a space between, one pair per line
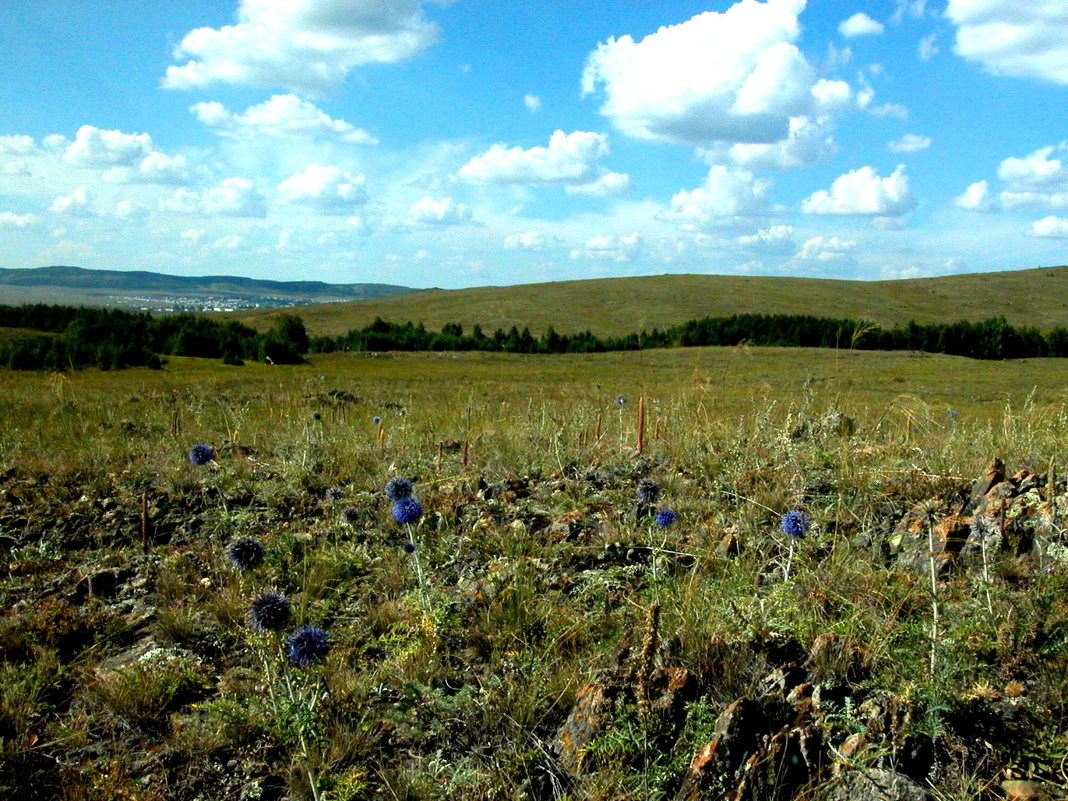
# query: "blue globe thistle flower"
246, 553
409, 547
308, 646
334, 494
270, 612
621, 400
648, 490
376, 419
665, 517
407, 510
398, 488
351, 515
201, 454
794, 523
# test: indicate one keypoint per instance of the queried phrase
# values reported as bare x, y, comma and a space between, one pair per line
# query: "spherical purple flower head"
270, 612
334, 494
246, 553
351, 514
648, 491
376, 419
201, 454
408, 547
794, 523
665, 517
621, 400
398, 488
407, 510
308, 646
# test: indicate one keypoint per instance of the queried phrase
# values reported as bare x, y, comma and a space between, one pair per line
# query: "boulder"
874, 785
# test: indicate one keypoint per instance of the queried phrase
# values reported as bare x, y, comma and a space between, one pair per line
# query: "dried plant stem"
641, 425
934, 597
597, 428
986, 572
645, 669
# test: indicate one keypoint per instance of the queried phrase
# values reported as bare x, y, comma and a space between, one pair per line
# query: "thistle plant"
406, 511
292, 659
200, 454
793, 524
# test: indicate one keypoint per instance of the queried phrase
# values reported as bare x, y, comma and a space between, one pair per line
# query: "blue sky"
481, 142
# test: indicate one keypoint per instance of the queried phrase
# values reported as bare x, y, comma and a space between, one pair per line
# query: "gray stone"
874, 785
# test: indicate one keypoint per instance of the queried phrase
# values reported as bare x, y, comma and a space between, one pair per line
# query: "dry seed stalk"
641, 425
645, 669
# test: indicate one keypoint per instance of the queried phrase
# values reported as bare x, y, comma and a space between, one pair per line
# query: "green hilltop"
617, 306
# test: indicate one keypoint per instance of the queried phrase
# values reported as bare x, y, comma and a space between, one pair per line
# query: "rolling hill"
77, 285
613, 306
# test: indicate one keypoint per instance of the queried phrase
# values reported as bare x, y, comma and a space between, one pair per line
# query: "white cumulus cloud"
863, 191
611, 247
1036, 170
909, 143
725, 195
1055, 227
823, 249
860, 24
569, 158
611, 183
774, 239
233, 197
78, 203
305, 45
808, 143
533, 103
324, 188
527, 240
439, 211
735, 76
9, 219
94, 147
1022, 38
281, 117
155, 168
16, 144
975, 198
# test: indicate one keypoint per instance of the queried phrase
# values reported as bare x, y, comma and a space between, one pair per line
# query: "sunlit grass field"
464, 645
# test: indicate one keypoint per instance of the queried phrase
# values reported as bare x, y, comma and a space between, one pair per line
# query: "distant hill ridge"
618, 306
145, 281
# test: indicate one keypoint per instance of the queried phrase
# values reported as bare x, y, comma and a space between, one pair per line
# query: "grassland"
618, 306
513, 654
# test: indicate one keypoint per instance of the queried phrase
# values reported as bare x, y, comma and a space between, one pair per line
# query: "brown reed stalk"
597, 429
656, 431
467, 450
641, 425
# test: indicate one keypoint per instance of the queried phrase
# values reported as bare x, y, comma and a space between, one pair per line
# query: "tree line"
61, 337
990, 339
65, 337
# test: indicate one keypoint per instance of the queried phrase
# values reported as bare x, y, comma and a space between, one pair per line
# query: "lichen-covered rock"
874, 785
589, 716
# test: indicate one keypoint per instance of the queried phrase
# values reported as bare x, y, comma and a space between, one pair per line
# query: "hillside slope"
611, 306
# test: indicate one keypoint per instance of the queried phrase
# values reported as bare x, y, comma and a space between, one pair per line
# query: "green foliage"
113, 339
